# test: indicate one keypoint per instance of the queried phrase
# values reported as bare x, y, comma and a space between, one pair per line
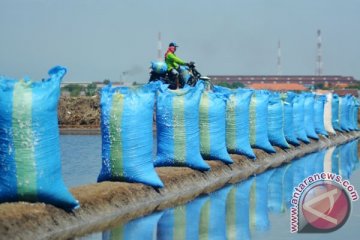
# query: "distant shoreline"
79, 131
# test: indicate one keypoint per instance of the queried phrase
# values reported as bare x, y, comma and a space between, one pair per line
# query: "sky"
97, 40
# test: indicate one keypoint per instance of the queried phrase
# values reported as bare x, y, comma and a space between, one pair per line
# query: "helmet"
172, 44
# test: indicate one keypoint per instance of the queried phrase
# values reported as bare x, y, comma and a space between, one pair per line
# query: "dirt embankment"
83, 112
107, 204
79, 112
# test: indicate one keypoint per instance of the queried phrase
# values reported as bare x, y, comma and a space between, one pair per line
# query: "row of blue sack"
196, 123
192, 124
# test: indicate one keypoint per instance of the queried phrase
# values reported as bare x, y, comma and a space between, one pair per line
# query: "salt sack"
298, 117
276, 121
177, 123
319, 114
335, 114
258, 121
309, 117
212, 120
127, 135
328, 114
237, 121
30, 162
289, 131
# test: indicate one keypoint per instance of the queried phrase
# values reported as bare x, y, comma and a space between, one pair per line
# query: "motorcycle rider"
174, 62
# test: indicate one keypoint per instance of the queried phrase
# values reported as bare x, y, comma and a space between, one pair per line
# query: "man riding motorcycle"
173, 63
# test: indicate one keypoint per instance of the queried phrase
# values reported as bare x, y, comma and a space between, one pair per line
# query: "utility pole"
319, 63
159, 47
279, 70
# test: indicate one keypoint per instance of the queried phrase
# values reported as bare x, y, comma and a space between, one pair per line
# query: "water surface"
257, 208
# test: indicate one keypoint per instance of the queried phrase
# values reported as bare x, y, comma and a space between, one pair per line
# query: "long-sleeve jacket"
172, 60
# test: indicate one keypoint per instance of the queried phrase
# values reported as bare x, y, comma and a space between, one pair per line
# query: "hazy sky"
100, 39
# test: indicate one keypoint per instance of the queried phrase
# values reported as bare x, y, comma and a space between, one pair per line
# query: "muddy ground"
82, 112
105, 205
79, 112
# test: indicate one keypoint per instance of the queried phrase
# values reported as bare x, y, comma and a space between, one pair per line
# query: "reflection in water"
141, 228
237, 211
181, 222
259, 219
213, 215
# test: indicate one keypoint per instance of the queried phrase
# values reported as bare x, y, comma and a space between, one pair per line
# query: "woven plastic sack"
344, 113
178, 134
30, 163
319, 105
298, 117
355, 114
309, 116
328, 114
238, 204
353, 108
351, 104
184, 73
159, 67
237, 121
276, 121
289, 131
348, 113
127, 136
335, 114
258, 121
212, 126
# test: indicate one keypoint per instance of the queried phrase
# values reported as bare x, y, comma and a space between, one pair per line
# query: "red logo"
325, 207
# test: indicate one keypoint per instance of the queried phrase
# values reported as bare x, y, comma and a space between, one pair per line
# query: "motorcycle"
187, 75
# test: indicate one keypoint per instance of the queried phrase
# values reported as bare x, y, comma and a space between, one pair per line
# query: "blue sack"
30, 162
352, 108
335, 114
159, 67
289, 131
343, 113
276, 121
237, 121
319, 105
351, 113
309, 117
127, 136
184, 73
212, 126
298, 117
355, 112
177, 121
258, 121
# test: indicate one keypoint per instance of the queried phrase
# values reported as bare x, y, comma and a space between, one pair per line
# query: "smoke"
134, 70
136, 73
